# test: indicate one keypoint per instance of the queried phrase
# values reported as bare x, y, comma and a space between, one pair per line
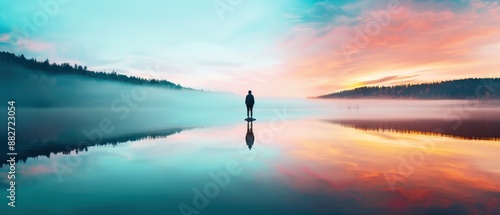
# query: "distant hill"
67, 69
472, 88
40, 84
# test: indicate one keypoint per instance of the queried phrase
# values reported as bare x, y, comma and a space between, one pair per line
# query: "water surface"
337, 157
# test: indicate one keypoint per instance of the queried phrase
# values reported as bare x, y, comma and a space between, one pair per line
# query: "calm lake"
313, 157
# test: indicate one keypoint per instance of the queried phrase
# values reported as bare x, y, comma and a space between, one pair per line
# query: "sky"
279, 48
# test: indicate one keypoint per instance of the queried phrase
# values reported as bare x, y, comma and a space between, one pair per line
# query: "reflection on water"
294, 166
484, 129
249, 137
54, 147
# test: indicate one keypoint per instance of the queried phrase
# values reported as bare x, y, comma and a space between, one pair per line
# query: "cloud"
386, 79
289, 48
322, 13
221, 64
4, 38
33, 45
420, 43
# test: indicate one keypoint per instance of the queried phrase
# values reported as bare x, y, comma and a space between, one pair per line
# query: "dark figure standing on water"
249, 101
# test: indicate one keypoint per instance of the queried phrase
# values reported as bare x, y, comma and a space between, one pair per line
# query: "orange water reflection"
349, 165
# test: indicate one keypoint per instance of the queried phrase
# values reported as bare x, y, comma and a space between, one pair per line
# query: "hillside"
36, 84
67, 69
472, 88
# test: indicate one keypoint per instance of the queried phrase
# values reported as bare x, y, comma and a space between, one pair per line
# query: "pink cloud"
4, 38
33, 45
427, 45
35, 170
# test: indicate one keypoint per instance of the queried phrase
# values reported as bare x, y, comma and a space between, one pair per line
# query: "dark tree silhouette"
471, 88
67, 69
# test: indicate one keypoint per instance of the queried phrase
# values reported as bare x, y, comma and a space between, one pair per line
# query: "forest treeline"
67, 69
471, 88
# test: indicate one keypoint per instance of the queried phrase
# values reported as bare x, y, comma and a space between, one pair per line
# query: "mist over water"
162, 110
308, 155
132, 149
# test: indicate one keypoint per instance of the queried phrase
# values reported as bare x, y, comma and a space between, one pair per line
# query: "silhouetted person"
249, 101
249, 137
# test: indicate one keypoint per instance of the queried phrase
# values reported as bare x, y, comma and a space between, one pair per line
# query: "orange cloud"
415, 46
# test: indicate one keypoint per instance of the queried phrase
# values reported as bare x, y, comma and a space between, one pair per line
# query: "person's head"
249, 92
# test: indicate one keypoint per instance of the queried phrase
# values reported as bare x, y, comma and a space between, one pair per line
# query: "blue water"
299, 163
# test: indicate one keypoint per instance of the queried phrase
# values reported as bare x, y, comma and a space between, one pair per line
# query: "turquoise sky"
276, 48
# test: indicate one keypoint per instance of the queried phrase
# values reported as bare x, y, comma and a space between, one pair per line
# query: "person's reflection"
249, 137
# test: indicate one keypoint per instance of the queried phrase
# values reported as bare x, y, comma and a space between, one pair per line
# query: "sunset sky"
289, 48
